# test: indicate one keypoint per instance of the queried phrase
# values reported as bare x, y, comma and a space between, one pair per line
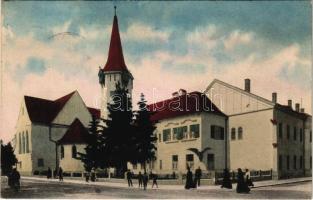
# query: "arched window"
240, 133
74, 151
27, 142
62, 151
19, 143
23, 142
233, 134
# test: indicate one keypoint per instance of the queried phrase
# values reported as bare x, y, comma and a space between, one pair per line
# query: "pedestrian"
87, 176
49, 173
93, 175
226, 180
15, 180
242, 187
129, 178
145, 180
189, 182
198, 174
140, 179
248, 178
154, 178
60, 174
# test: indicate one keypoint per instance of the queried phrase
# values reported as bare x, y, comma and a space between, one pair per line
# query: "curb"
300, 181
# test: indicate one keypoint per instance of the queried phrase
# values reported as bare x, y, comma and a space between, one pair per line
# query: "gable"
23, 117
232, 100
73, 108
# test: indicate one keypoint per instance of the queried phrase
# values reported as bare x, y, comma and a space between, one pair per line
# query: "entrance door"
210, 161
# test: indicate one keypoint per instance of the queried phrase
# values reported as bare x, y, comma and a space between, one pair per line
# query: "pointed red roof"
75, 134
115, 60
44, 111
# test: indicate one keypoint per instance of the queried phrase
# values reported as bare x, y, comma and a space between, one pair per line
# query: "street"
41, 189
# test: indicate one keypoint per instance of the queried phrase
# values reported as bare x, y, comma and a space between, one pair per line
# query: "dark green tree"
8, 158
118, 134
144, 135
92, 157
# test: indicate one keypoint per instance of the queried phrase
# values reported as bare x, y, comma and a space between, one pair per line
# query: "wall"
68, 163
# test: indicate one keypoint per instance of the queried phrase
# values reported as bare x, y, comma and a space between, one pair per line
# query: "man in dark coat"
49, 173
145, 180
60, 174
189, 182
129, 178
140, 180
198, 174
242, 187
226, 180
154, 178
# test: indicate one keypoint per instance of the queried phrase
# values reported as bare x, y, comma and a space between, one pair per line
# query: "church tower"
114, 71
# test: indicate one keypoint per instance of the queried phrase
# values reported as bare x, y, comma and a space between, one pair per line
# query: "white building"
264, 135
188, 121
41, 123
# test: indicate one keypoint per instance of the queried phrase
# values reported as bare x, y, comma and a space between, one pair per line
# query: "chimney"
274, 97
297, 107
175, 94
290, 103
182, 92
302, 110
247, 85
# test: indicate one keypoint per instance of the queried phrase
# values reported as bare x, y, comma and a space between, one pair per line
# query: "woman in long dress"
226, 180
242, 186
189, 181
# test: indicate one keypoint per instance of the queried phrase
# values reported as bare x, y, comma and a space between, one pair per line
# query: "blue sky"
187, 43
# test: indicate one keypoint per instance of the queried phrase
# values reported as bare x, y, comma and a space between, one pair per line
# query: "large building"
41, 124
264, 135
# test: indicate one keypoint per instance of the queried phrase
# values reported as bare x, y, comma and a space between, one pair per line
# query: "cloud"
203, 37
138, 31
237, 38
61, 28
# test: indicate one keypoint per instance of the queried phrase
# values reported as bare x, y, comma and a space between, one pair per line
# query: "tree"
144, 134
118, 135
8, 158
92, 157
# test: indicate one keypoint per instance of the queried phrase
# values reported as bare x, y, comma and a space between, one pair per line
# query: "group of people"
190, 182
14, 179
143, 179
244, 181
56, 173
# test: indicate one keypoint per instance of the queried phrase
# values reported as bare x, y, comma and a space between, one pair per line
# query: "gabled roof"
44, 111
194, 102
115, 60
75, 134
266, 101
95, 112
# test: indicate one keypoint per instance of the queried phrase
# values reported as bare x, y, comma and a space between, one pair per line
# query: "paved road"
40, 189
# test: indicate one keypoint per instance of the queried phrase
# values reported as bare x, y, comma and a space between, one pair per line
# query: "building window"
194, 130
240, 133
23, 143
160, 164
134, 166
174, 162
288, 132
74, 151
301, 135
166, 135
180, 133
280, 130
189, 161
287, 162
280, 162
160, 139
233, 133
310, 136
295, 133
210, 159
294, 162
301, 162
19, 143
217, 132
27, 142
40, 162
310, 162
62, 152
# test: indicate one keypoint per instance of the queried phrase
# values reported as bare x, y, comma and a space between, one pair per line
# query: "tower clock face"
125, 78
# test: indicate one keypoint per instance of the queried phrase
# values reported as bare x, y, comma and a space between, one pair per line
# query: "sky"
50, 49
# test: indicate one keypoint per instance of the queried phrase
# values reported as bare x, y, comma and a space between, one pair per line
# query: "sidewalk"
171, 187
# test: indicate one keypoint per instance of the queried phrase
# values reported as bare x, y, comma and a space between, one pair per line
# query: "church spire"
115, 60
